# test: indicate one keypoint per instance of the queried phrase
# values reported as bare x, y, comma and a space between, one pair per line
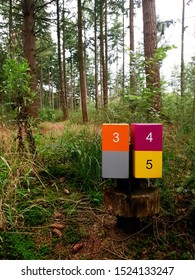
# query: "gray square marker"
115, 164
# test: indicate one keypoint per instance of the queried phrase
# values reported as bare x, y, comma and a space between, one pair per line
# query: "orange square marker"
115, 137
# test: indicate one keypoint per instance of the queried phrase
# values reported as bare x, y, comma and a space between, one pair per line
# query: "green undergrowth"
66, 177
17, 246
76, 154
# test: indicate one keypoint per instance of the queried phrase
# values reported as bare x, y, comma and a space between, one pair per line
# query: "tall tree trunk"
106, 57
96, 57
102, 54
150, 46
101, 80
53, 98
85, 60
49, 89
116, 77
132, 48
11, 25
123, 62
81, 65
29, 49
72, 107
61, 76
41, 84
64, 56
182, 50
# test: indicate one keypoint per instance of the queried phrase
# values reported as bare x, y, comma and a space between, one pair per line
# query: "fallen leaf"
57, 232
77, 247
57, 225
58, 215
66, 191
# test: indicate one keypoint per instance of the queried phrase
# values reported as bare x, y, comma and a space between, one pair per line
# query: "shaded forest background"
63, 72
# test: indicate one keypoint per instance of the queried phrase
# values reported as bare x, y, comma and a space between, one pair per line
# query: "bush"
49, 114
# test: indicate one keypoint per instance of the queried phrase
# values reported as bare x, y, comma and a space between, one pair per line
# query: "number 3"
116, 137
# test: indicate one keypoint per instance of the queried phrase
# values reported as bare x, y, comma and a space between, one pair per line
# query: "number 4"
149, 137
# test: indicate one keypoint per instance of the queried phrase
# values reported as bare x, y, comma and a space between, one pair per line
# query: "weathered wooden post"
130, 159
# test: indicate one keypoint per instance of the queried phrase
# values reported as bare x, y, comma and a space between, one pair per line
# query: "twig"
113, 253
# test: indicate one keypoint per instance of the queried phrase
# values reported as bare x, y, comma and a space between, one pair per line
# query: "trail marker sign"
132, 199
115, 150
146, 143
146, 140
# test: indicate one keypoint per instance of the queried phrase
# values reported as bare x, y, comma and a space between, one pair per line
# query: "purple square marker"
146, 136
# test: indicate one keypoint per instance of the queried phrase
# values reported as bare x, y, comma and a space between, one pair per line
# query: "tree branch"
43, 6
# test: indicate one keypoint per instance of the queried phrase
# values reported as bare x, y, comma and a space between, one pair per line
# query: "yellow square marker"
147, 164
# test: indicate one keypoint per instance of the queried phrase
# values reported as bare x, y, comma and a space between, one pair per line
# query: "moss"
36, 215
72, 234
16, 246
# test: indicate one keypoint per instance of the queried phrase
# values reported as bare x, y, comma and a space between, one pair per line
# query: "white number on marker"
149, 137
116, 137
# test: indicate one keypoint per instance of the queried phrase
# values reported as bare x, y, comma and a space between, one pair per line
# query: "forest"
66, 68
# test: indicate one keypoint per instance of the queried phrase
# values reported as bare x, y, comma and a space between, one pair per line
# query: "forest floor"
57, 220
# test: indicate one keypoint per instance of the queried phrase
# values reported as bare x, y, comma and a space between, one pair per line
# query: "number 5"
149, 164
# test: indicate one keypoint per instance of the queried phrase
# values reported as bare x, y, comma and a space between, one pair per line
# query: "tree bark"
10, 25
85, 58
29, 49
132, 47
102, 55
81, 66
150, 47
72, 102
41, 84
141, 203
95, 57
182, 50
64, 58
62, 88
123, 63
105, 80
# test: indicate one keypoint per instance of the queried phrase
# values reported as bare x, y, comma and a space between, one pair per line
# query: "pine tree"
150, 47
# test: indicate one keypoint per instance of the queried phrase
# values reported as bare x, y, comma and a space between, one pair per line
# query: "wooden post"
132, 199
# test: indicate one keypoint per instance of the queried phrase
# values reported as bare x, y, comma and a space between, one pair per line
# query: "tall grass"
17, 175
77, 151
